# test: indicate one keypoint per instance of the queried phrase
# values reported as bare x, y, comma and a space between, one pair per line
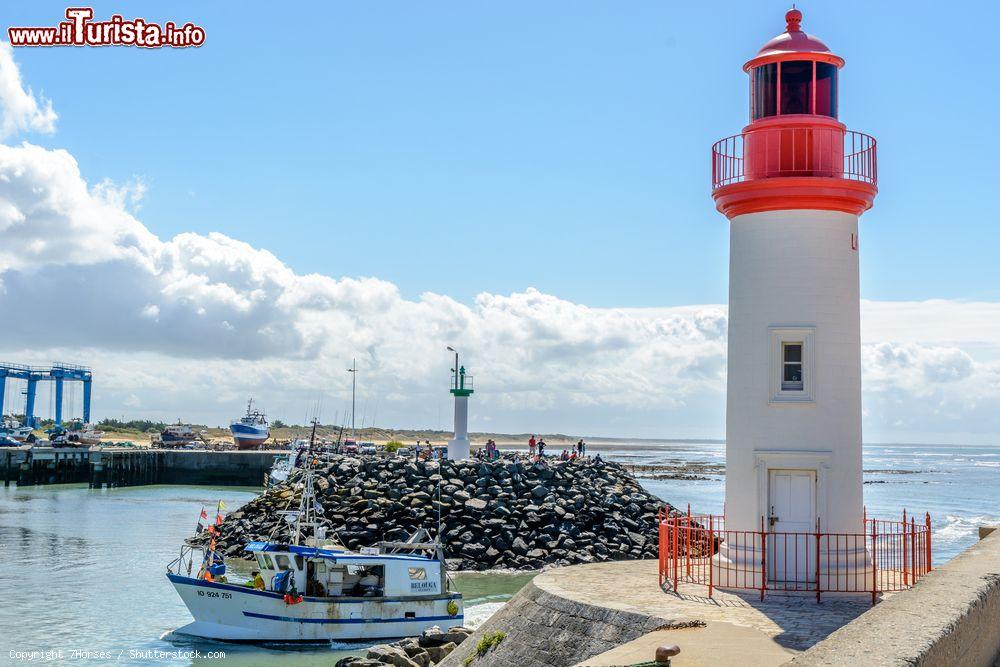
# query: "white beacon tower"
458, 448
793, 184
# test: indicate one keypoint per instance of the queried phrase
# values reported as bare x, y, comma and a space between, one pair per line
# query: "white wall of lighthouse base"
794, 277
459, 449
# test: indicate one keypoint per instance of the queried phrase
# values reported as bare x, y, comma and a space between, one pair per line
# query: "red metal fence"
887, 556
794, 151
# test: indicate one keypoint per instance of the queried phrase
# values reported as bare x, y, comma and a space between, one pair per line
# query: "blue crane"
58, 373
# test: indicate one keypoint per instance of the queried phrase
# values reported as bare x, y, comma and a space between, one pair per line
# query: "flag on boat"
199, 528
218, 513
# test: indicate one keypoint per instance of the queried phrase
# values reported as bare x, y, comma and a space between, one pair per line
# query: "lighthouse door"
791, 554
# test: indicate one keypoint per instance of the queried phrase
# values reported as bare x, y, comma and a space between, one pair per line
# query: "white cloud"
192, 324
21, 110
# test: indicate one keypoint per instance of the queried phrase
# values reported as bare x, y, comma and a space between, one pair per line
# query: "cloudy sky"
193, 265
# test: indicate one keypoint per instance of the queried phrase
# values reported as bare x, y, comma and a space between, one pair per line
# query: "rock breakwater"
501, 514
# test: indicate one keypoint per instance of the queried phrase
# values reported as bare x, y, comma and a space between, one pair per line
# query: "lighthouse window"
796, 86
826, 89
765, 89
791, 377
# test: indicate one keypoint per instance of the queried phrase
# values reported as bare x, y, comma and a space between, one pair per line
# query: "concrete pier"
610, 613
121, 466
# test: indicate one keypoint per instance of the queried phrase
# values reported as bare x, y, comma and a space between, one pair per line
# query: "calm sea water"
83, 569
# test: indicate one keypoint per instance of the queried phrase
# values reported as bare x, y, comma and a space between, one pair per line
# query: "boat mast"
307, 514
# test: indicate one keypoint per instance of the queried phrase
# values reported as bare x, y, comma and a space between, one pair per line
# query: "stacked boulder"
493, 515
429, 648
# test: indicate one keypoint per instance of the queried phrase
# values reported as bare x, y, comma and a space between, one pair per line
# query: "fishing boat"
314, 590
74, 433
177, 435
251, 430
281, 469
13, 429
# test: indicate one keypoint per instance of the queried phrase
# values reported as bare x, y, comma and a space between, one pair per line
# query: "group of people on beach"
489, 451
536, 450
426, 452
578, 452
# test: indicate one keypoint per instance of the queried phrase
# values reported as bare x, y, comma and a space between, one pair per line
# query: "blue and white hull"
248, 436
229, 612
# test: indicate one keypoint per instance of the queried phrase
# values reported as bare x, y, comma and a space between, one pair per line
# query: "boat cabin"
327, 572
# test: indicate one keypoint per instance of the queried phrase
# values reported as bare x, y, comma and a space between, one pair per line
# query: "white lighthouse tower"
461, 389
793, 184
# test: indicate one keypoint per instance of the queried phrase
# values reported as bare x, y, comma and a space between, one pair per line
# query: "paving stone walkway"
794, 621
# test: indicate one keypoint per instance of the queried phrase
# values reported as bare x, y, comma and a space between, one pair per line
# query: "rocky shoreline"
505, 514
429, 648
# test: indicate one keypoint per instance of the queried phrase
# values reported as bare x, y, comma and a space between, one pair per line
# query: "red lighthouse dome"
793, 41
794, 154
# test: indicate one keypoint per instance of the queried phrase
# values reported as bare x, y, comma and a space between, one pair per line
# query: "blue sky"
463, 147
526, 181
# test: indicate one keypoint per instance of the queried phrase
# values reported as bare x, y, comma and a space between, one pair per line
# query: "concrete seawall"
116, 466
545, 629
614, 614
951, 617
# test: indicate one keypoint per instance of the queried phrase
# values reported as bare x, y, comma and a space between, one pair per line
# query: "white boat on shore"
315, 590
12, 428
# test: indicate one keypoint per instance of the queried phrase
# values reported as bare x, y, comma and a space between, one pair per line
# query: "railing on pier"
886, 556
794, 151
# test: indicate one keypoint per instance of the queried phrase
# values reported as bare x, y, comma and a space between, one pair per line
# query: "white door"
791, 548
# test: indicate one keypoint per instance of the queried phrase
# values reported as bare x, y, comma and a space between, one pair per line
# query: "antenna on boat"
307, 514
439, 513
312, 436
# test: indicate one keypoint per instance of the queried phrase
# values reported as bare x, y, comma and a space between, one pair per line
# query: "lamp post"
353, 370
455, 369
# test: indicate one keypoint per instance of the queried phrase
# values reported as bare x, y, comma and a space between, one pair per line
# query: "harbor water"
82, 570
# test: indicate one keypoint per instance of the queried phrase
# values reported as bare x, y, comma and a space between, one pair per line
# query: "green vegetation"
277, 423
489, 642
131, 426
393, 445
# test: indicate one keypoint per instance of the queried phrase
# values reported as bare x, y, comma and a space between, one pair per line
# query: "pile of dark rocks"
429, 648
493, 515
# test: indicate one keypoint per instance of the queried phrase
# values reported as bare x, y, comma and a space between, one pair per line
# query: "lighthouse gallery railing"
794, 151
886, 556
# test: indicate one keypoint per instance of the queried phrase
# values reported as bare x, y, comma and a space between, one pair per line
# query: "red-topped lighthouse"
794, 154
793, 184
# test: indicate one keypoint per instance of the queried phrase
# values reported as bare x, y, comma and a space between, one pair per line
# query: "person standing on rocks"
531, 446
541, 448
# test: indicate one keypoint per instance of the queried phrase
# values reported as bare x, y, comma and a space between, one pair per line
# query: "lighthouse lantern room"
793, 184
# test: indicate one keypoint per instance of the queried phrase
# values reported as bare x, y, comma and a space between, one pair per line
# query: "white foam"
962, 527
478, 614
